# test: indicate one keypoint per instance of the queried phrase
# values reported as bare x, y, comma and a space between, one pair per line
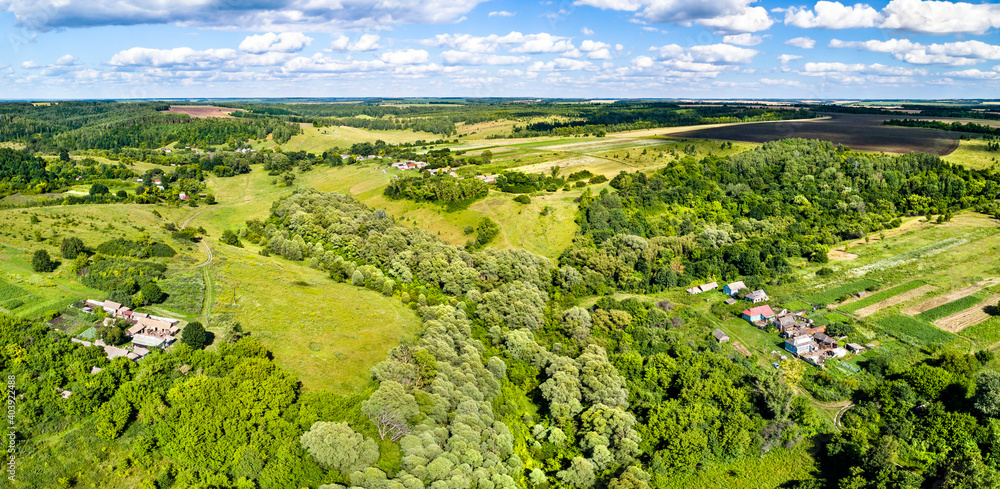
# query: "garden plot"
971, 316
892, 301
949, 297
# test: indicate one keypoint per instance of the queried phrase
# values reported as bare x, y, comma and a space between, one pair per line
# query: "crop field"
859, 132
882, 295
772, 470
946, 298
953, 307
897, 299
200, 111
968, 317
830, 295
328, 333
913, 331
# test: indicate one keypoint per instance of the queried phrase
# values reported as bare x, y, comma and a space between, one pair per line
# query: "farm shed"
719, 335
733, 288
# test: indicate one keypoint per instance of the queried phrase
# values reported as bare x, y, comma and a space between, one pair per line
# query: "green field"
913, 331
319, 139
972, 153
882, 295
771, 470
328, 333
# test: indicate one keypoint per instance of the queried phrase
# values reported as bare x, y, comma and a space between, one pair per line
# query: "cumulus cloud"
960, 53
561, 64
722, 53
286, 42
596, 49
291, 15
186, 57
405, 57
745, 39
585, 31
801, 42
974, 74
67, 59
515, 42
819, 69
453, 57
502, 13
938, 17
721, 15
833, 15
785, 58
31, 64
367, 42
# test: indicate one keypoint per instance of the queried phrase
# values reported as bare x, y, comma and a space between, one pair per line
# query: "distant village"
803, 338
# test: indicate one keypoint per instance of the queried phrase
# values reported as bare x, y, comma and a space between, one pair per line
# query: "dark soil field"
200, 111
859, 132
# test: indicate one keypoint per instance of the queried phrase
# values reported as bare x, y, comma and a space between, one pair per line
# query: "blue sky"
497, 48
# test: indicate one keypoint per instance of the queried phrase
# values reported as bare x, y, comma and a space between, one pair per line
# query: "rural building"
785, 322
111, 307
801, 345
758, 296
838, 353
719, 335
487, 178
114, 352
862, 294
854, 347
703, 288
760, 313
733, 288
148, 341
730, 301
82, 342
825, 341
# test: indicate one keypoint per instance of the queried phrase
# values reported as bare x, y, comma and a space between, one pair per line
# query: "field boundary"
968, 317
894, 300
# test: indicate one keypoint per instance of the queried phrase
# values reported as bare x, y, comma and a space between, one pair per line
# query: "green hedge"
954, 306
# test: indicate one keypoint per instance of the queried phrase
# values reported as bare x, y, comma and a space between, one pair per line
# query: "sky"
601, 49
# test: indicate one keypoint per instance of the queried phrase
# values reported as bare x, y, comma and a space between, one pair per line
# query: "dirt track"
892, 301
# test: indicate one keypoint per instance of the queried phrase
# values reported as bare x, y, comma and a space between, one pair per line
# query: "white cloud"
752, 19
801, 42
833, 15
721, 15
367, 42
453, 57
974, 74
67, 59
960, 53
187, 57
938, 17
502, 13
260, 15
585, 31
561, 64
812, 68
668, 51
745, 39
642, 62
772, 82
405, 57
785, 58
286, 42
515, 42
722, 53
29, 64
596, 49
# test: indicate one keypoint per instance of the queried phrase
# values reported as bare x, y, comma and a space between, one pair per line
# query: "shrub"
230, 238
42, 262
71, 247
194, 335
522, 199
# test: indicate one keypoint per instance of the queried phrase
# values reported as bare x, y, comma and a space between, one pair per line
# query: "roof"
114, 352
757, 294
112, 305
759, 310
719, 334
730, 301
82, 342
145, 340
800, 340
135, 329
736, 285
855, 346
140, 351
786, 320
153, 323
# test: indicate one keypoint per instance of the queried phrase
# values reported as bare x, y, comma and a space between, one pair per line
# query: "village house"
801, 345
758, 296
825, 342
487, 178
720, 336
760, 314
703, 288
855, 348
733, 288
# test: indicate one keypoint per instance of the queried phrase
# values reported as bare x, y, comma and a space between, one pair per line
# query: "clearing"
200, 111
